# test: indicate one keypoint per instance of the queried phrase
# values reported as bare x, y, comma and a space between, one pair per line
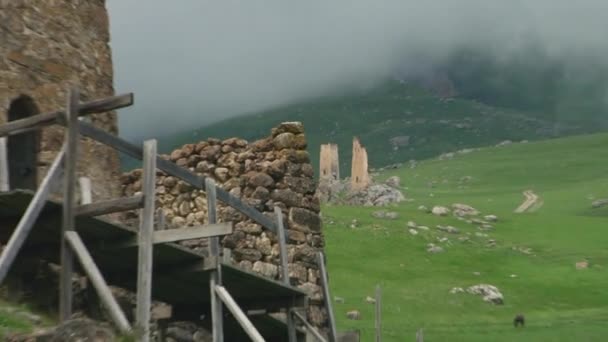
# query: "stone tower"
329, 163
359, 175
47, 45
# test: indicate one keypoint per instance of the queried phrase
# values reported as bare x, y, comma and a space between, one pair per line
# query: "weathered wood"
4, 176
180, 234
104, 292
69, 186
214, 251
419, 335
30, 216
111, 206
160, 220
86, 195
308, 326
327, 298
227, 256
47, 119
146, 231
177, 171
291, 327
240, 316
378, 314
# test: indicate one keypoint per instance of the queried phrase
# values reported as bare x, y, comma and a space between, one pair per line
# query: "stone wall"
272, 172
46, 46
359, 174
329, 163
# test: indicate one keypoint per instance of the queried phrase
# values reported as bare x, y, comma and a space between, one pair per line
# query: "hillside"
532, 261
396, 122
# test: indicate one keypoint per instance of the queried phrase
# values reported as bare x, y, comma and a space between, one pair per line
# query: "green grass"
391, 110
12, 319
560, 302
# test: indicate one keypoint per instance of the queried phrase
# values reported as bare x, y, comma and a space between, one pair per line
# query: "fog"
192, 62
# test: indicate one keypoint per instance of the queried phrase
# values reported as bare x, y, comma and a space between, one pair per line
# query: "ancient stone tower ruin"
359, 175
45, 46
329, 162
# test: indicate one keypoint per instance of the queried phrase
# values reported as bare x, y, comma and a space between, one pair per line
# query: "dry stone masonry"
272, 172
46, 46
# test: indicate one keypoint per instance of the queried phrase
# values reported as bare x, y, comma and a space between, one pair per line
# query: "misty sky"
191, 62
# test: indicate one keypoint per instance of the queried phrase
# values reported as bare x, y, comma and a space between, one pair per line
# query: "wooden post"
378, 313
71, 155
146, 232
240, 316
105, 294
215, 276
333, 335
4, 176
29, 217
308, 326
86, 196
291, 327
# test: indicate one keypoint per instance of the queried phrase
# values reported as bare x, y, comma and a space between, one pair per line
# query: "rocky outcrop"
490, 293
268, 173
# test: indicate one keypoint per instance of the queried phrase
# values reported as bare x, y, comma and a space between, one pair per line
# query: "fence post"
146, 231
215, 276
4, 176
86, 196
378, 313
419, 336
333, 335
69, 184
291, 328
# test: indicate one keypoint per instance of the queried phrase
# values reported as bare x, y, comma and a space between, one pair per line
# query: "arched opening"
22, 149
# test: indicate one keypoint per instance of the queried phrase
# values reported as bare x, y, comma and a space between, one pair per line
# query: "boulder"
490, 218
463, 210
432, 248
354, 315
490, 293
600, 203
440, 211
393, 181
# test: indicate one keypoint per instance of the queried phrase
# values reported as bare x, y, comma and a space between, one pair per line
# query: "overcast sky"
190, 62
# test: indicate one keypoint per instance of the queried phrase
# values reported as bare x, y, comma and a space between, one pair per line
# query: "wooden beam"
173, 235
111, 206
86, 193
29, 217
291, 327
146, 231
215, 278
308, 326
171, 168
240, 316
104, 292
4, 176
333, 335
69, 179
46, 119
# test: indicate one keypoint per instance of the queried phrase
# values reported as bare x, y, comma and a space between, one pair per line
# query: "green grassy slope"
434, 126
560, 302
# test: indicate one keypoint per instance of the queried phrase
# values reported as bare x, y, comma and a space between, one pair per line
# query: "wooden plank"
47, 119
378, 314
69, 179
217, 329
291, 327
29, 217
210, 189
240, 316
86, 195
173, 235
111, 206
104, 292
308, 326
4, 176
419, 335
177, 171
146, 231
326, 297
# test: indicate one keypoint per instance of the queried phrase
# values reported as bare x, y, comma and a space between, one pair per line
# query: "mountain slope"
532, 260
396, 122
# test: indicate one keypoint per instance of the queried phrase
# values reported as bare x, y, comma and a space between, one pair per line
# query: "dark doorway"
22, 149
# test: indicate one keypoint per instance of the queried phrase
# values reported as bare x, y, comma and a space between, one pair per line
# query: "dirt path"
531, 203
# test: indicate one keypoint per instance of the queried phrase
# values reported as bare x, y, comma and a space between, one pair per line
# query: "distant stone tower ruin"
45, 47
329, 162
359, 175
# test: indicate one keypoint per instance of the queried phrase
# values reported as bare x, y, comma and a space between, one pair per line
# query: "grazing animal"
519, 320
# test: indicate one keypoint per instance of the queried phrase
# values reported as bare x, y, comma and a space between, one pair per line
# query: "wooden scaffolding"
36, 225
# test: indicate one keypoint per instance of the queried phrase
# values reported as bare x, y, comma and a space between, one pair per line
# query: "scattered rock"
424, 208
385, 214
448, 229
490, 218
490, 293
425, 228
440, 211
393, 182
600, 203
504, 143
432, 248
354, 315
582, 265
339, 300
455, 290
354, 223
477, 273
370, 300
413, 231
411, 224
463, 210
